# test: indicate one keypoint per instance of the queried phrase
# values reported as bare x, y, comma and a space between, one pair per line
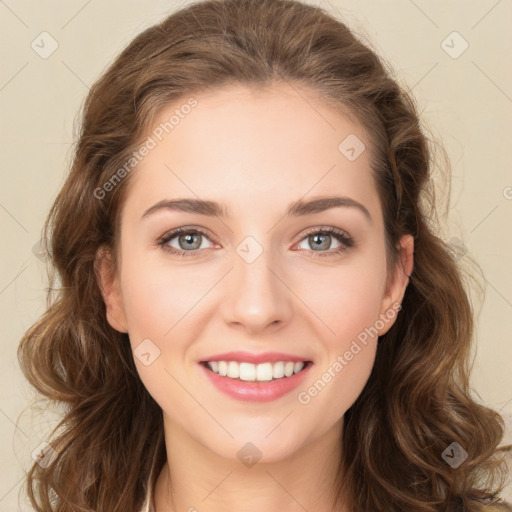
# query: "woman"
255, 312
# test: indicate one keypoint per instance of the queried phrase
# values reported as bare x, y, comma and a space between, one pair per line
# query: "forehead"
242, 144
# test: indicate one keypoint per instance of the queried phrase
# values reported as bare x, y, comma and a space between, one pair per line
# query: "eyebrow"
294, 209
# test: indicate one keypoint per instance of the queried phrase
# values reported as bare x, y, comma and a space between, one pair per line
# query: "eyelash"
339, 235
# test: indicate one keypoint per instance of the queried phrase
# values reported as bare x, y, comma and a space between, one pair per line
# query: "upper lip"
248, 357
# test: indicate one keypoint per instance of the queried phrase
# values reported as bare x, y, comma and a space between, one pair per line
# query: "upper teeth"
255, 372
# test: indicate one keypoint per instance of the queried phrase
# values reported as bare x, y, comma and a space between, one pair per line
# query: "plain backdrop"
453, 55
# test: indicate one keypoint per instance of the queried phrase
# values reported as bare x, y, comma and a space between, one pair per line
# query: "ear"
398, 281
108, 282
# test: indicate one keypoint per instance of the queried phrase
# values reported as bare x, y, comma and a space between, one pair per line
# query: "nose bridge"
257, 297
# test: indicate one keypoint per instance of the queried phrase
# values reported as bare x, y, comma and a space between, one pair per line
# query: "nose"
257, 297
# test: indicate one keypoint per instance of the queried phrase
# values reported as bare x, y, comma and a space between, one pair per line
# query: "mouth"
262, 372
249, 382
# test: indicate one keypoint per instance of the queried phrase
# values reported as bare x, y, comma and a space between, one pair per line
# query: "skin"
256, 151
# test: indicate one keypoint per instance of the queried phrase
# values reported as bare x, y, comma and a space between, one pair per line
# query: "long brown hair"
417, 400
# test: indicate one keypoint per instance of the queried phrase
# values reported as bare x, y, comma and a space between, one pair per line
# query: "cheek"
160, 298
351, 311
347, 303
148, 308
345, 299
156, 303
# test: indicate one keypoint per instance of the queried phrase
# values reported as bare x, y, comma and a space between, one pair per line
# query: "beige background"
465, 101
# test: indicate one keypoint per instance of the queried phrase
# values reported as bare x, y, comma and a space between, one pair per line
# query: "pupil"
189, 238
318, 243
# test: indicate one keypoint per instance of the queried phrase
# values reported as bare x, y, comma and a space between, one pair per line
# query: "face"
310, 284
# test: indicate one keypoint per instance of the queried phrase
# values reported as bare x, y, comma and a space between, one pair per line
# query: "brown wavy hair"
417, 400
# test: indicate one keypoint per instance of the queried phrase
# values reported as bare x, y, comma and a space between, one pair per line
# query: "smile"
255, 383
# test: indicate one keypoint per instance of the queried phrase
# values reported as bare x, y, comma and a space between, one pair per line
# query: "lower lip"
249, 391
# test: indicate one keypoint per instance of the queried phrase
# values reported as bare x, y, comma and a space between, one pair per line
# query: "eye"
190, 240
321, 239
